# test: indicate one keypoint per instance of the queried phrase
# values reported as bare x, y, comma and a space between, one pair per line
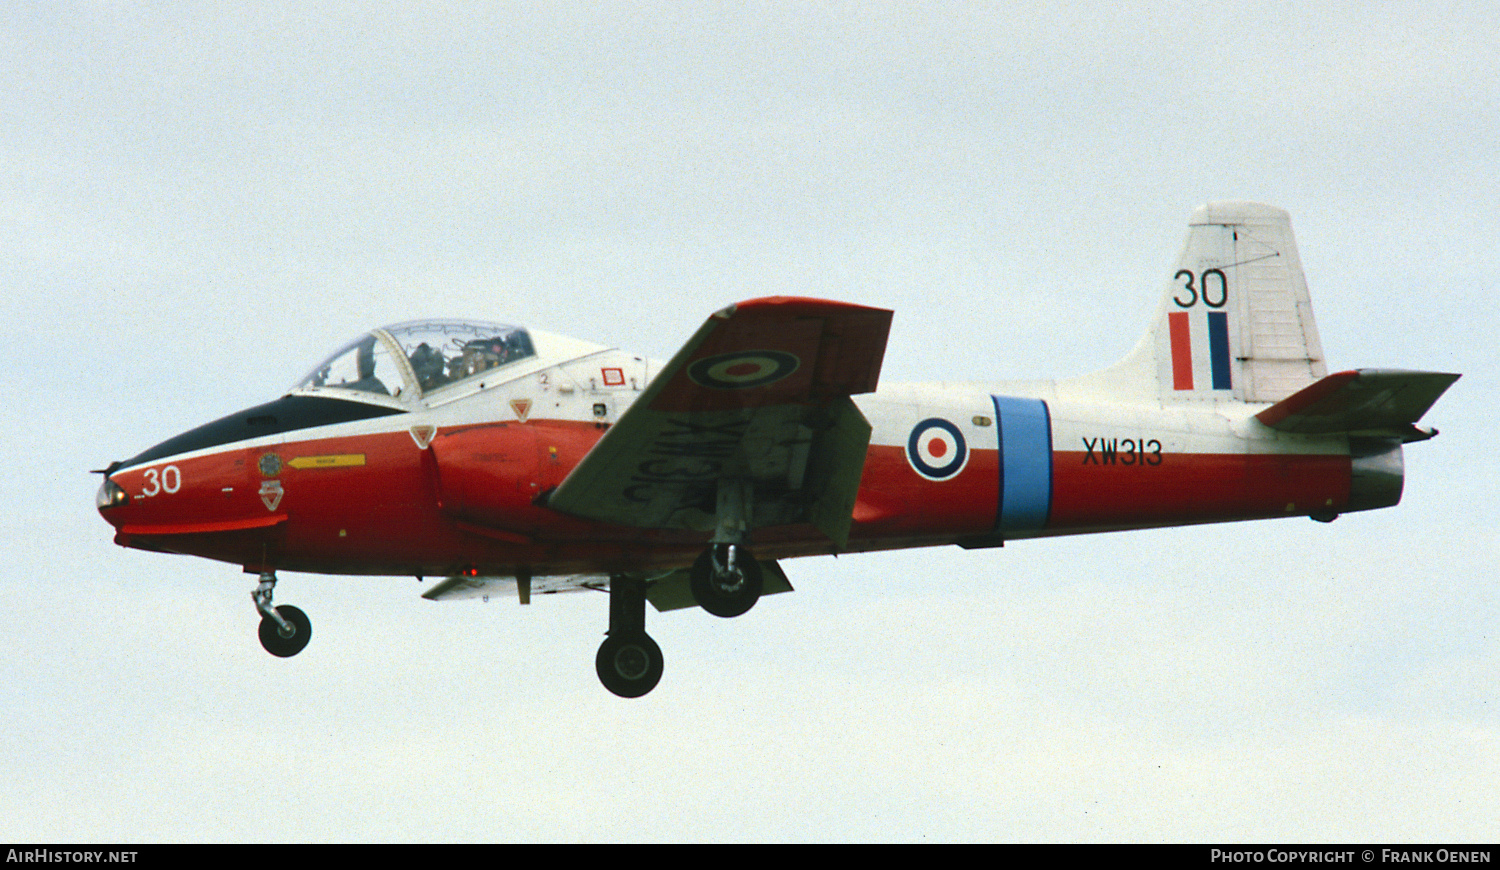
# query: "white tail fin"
1235, 321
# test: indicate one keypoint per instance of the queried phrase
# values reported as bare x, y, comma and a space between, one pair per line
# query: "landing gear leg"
629, 661
284, 630
726, 579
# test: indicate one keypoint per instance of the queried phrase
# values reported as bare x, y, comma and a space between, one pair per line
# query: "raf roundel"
936, 449
743, 369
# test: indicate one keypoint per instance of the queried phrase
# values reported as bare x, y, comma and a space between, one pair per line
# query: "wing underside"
754, 411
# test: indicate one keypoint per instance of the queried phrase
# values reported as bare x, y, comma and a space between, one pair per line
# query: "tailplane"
1235, 321
1370, 403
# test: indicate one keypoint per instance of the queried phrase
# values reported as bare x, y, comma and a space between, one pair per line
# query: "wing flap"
1384, 402
838, 463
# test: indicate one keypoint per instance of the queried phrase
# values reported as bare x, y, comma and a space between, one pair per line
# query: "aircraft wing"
1381, 402
755, 406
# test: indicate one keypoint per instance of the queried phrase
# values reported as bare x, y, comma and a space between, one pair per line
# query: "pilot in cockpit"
428, 364
440, 353
365, 365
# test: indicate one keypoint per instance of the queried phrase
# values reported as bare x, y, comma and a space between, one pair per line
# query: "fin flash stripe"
1180, 332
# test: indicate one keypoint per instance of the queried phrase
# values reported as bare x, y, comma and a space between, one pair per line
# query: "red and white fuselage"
474, 450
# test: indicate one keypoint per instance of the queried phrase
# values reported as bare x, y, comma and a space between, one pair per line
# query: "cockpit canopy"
419, 358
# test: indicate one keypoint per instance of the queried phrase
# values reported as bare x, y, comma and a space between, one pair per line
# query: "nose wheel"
287, 637
284, 630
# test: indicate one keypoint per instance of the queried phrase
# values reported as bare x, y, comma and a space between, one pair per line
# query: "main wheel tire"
284, 645
629, 664
722, 594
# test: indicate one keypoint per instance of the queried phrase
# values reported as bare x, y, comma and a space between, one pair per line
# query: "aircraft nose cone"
110, 495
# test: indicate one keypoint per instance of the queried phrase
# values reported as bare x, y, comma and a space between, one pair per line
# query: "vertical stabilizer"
1235, 321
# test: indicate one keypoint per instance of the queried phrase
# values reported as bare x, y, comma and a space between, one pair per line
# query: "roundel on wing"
936, 449
743, 369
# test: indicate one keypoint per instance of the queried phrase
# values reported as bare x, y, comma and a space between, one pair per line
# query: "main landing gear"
629, 661
726, 581
284, 630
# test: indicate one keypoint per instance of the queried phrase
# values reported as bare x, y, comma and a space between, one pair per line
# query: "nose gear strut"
284, 630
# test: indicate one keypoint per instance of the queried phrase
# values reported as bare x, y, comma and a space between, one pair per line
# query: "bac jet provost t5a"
499, 458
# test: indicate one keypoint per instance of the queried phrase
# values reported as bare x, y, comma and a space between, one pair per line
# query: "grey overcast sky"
199, 200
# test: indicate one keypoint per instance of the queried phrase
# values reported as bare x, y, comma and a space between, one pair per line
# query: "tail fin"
1235, 321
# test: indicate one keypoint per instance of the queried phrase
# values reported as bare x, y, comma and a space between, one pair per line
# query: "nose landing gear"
284, 630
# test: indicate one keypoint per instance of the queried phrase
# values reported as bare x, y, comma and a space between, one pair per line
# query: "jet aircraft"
495, 458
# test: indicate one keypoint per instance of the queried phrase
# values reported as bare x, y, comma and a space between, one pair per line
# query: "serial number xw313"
1122, 451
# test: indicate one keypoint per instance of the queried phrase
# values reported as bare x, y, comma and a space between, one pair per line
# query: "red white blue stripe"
1211, 330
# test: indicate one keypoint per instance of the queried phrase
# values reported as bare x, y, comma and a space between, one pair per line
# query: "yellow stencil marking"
334, 460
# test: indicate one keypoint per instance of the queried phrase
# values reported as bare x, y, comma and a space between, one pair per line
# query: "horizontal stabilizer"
1379, 402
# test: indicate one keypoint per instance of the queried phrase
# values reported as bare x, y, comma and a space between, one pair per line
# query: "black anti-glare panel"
286, 414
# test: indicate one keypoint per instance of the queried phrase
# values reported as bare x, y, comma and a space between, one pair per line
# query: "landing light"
110, 495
